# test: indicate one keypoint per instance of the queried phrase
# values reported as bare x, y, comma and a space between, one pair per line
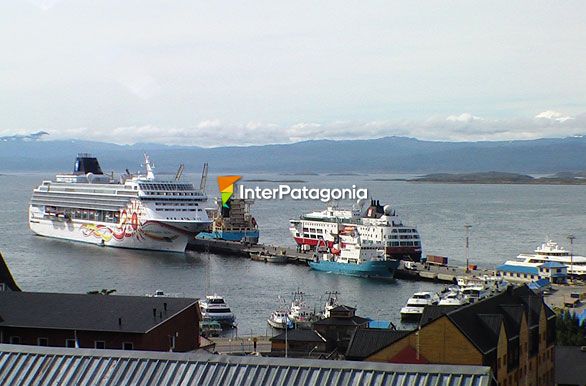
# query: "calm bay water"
506, 220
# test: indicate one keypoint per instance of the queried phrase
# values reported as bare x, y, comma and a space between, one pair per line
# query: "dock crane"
204, 177
179, 172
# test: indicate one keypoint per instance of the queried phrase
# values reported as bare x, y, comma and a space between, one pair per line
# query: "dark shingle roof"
334, 321
366, 341
343, 308
510, 304
87, 312
570, 363
432, 312
299, 335
6, 276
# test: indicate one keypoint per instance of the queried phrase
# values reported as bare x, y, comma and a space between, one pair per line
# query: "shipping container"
437, 260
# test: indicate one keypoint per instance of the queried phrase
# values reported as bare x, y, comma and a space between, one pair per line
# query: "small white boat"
269, 257
453, 298
416, 304
277, 259
475, 292
214, 308
280, 320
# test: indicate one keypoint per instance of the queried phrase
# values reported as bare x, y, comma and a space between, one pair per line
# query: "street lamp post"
467, 227
571, 238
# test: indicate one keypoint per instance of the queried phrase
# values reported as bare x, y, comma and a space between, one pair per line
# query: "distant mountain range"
388, 154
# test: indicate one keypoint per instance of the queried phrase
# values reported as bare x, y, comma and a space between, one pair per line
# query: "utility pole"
571, 238
467, 227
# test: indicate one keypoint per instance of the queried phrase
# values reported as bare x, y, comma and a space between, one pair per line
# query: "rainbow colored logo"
226, 184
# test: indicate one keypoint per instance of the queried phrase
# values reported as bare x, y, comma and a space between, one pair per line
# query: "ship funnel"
85, 163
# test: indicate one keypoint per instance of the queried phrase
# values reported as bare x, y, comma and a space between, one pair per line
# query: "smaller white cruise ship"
552, 252
135, 211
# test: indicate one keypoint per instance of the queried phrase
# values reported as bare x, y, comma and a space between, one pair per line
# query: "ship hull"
151, 235
370, 269
250, 236
399, 253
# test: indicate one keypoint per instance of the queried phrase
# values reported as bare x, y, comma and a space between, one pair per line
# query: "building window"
42, 341
127, 346
70, 343
99, 344
15, 340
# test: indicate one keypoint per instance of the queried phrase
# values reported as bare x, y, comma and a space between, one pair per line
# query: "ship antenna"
149, 167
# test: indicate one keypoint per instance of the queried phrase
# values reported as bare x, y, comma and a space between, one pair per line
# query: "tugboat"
214, 308
355, 256
232, 221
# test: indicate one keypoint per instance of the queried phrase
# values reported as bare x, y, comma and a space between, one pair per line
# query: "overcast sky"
218, 72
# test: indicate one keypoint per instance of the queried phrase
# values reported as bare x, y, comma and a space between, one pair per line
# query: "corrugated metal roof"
517, 269
20, 365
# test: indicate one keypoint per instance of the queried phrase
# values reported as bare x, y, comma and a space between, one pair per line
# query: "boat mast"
149, 168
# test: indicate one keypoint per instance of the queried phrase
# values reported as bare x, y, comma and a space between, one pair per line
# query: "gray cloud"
456, 127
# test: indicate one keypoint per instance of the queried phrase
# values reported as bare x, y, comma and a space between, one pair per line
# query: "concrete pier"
419, 271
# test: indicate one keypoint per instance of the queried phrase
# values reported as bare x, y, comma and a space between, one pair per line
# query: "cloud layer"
214, 132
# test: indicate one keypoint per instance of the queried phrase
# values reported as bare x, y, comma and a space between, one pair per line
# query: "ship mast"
149, 168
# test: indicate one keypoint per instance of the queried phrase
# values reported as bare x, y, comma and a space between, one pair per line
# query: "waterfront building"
298, 343
99, 321
512, 332
82, 367
518, 272
339, 327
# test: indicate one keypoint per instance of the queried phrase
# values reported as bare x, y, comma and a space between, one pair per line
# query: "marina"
235, 275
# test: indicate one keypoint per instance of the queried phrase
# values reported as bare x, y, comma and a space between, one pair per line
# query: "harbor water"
506, 220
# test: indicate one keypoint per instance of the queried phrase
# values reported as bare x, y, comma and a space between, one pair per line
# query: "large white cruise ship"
374, 222
137, 211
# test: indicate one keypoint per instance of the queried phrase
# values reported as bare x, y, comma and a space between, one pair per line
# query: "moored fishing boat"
280, 320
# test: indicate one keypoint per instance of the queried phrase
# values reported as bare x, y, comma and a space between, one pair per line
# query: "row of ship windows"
314, 230
392, 243
84, 214
165, 186
170, 194
177, 210
404, 243
175, 204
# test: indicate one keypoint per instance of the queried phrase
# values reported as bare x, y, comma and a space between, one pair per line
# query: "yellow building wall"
438, 342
